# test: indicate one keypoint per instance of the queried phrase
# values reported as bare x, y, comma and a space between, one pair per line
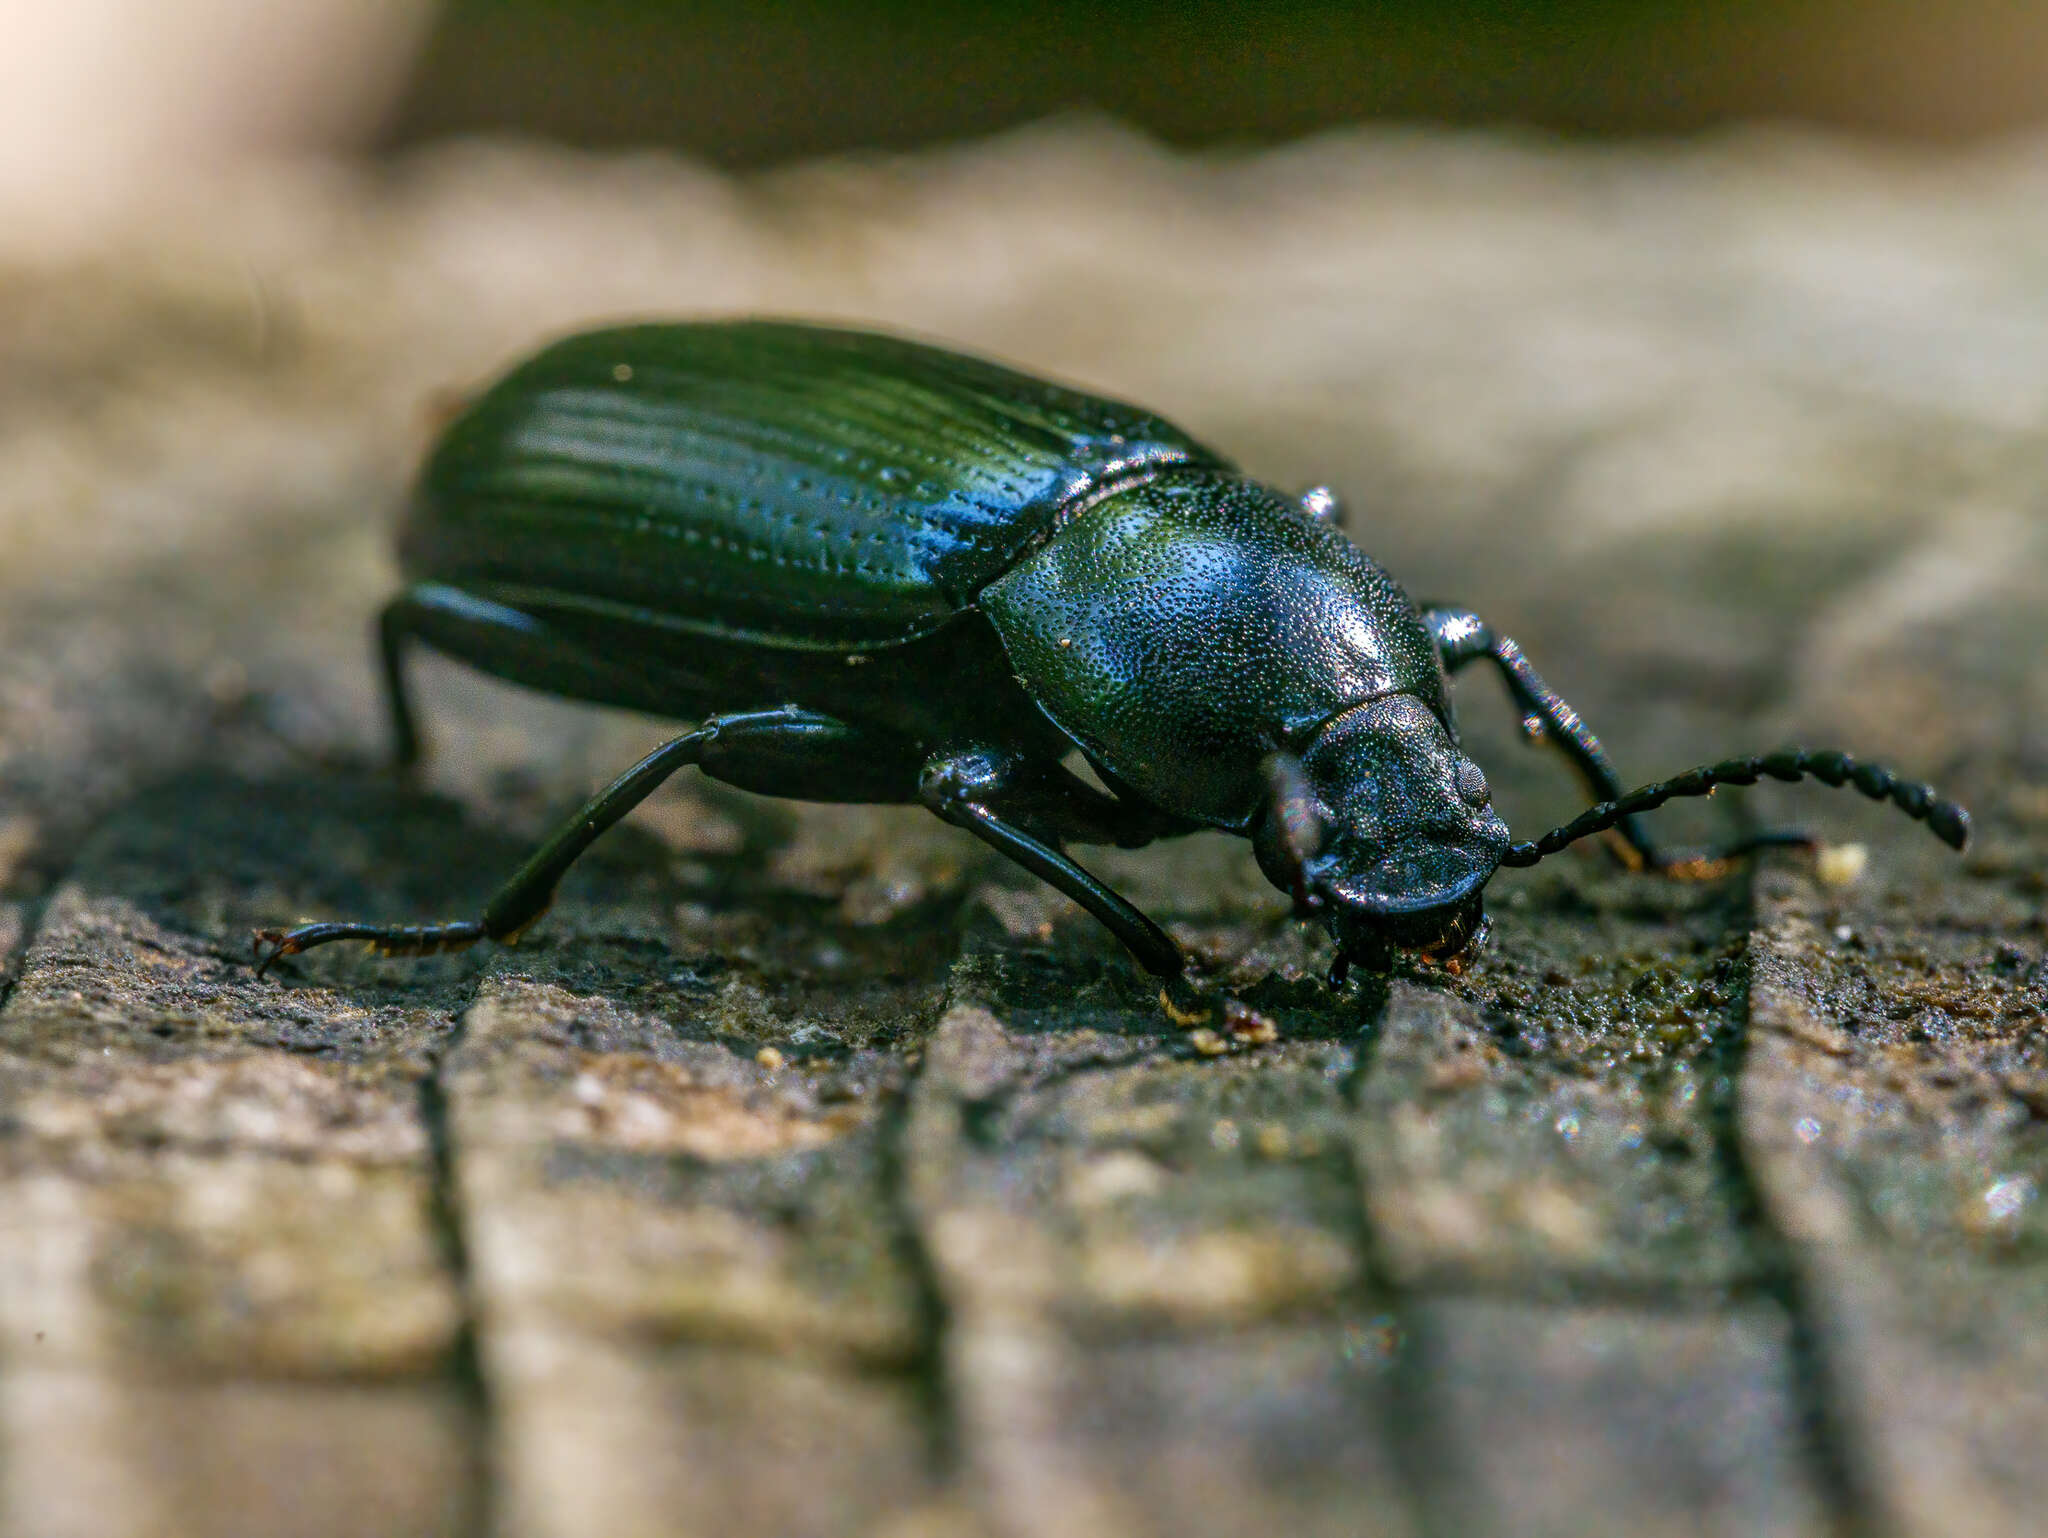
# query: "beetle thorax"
1179, 629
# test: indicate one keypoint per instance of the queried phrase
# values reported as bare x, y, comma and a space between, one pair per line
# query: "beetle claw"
280, 943
1184, 1003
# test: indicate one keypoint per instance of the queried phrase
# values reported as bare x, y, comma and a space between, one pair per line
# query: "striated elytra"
874, 570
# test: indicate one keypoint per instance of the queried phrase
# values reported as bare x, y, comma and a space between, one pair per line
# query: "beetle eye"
1472, 785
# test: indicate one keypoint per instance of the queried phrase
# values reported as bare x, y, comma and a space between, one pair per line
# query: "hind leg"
394, 629
490, 635
797, 745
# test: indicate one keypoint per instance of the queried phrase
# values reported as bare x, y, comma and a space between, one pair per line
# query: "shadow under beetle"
878, 571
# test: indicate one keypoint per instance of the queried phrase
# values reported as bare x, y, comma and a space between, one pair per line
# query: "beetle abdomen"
786, 485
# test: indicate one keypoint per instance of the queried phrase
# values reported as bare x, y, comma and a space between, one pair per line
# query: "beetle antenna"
1946, 820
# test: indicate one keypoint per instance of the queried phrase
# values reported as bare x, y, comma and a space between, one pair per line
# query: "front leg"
1461, 637
973, 789
1060, 807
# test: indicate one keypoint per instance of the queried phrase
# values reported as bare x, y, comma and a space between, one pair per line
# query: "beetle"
874, 570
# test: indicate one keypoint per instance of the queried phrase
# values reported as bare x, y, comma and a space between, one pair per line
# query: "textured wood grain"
223, 1291
687, 1278
1885, 1112
1588, 1420
1149, 1265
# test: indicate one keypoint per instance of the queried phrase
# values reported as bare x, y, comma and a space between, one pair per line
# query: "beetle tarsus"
384, 939
280, 945
1186, 1005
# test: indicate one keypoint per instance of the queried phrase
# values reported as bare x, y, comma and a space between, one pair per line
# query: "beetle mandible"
874, 570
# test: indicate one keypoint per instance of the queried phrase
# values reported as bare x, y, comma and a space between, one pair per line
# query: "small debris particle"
1115, 1177
1558, 1217
769, 1058
1374, 1342
1841, 864
1223, 1136
2003, 1204
1272, 1141
226, 683
1207, 1042
1247, 1026
622, 372
2007, 1197
1844, 935
1456, 1073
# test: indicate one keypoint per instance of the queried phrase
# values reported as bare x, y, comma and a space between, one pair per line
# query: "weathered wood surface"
808, 1172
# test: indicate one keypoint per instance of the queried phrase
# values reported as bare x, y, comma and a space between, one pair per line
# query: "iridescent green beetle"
877, 571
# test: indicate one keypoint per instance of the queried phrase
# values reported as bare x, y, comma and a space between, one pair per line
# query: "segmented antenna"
1947, 821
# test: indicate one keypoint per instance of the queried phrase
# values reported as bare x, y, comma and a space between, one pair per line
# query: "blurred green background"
748, 83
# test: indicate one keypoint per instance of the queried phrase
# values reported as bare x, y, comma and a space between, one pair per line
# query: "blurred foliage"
748, 81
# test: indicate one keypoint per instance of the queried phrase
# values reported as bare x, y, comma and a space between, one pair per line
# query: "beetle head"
1387, 830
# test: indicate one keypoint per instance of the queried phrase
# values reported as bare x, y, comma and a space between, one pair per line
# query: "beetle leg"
1058, 804
478, 630
394, 628
1462, 636
964, 788
438, 615
727, 746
